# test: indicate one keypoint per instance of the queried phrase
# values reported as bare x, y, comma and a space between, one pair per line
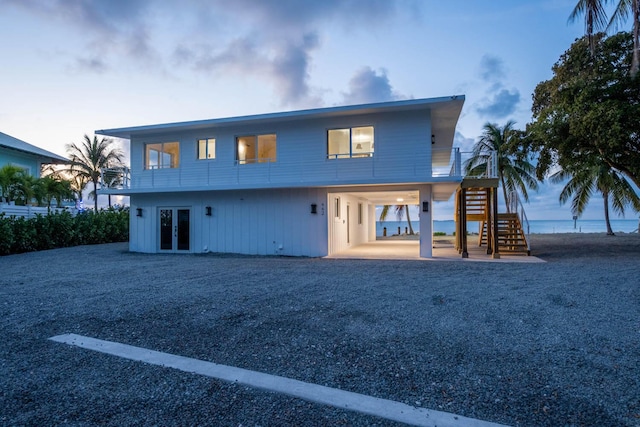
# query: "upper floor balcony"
443, 166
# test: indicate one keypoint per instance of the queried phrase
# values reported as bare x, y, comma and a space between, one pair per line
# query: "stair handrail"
516, 207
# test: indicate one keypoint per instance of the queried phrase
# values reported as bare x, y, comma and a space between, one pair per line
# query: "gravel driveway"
555, 343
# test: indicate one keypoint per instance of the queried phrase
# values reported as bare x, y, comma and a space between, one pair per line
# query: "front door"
175, 229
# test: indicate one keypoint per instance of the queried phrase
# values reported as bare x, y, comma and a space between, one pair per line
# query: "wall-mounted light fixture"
314, 208
433, 139
138, 211
425, 206
207, 210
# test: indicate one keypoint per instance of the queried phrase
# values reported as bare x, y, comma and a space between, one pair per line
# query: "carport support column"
426, 223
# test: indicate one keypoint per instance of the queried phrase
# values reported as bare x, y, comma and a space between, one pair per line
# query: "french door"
175, 229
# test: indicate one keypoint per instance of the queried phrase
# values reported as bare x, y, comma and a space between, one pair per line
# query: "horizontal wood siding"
257, 222
402, 154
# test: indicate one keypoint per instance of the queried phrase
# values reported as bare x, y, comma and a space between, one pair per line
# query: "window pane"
338, 143
362, 141
207, 148
267, 148
211, 148
171, 155
202, 149
246, 149
152, 155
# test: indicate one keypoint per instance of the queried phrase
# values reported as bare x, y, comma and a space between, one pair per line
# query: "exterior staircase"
511, 236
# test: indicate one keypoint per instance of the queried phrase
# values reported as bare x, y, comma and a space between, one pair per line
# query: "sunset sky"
73, 66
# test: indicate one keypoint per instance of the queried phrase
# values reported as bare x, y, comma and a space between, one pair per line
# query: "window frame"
174, 162
207, 143
351, 154
258, 140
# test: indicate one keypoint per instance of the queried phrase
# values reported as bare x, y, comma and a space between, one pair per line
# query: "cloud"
367, 86
492, 68
498, 102
272, 40
500, 105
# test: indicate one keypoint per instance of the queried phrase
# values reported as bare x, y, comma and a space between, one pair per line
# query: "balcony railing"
458, 160
115, 178
441, 165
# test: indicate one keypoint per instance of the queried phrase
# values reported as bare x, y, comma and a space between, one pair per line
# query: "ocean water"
535, 226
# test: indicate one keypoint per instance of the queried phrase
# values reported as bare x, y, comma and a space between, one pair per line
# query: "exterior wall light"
207, 210
425, 206
314, 208
433, 139
139, 212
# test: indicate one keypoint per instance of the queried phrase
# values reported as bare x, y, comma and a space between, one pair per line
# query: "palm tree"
602, 178
10, 176
514, 170
54, 187
90, 157
111, 179
596, 18
400, 211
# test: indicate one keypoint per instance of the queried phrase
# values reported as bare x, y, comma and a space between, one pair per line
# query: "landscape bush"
58, 230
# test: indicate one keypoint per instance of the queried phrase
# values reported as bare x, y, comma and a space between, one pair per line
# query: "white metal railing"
458, 160
367, 166
118, 178
515, 206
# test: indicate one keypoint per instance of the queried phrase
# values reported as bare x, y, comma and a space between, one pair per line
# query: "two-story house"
298, 183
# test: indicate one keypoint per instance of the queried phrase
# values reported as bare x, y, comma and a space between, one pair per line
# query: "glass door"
175, 229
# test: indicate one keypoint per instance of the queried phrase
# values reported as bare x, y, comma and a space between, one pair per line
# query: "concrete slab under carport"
443, 250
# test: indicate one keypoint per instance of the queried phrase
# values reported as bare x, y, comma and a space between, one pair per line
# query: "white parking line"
383, 408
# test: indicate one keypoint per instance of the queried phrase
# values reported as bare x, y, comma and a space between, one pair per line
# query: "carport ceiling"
388, 197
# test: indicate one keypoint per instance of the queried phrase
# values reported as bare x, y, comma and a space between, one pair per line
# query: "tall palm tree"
596, 20
90, 157
601, 178
515, 173
400, 211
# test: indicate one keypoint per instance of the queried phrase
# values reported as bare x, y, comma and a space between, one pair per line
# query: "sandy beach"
523, 344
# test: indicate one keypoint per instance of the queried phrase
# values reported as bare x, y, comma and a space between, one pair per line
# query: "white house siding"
258, 222
402, 154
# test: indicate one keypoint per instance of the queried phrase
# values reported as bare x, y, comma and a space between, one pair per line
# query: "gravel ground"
548, 344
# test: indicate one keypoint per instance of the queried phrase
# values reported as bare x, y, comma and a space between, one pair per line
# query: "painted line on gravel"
383, 408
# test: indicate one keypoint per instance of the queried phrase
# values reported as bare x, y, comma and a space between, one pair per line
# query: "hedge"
58, 230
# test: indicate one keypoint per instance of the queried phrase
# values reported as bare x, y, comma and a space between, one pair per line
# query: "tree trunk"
504, 191
635, 59
95, 195
605, 196
109, 196
406, 208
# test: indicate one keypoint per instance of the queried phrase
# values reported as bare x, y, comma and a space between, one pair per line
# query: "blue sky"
73, 66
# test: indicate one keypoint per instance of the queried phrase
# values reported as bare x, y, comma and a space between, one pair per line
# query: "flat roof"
445, 112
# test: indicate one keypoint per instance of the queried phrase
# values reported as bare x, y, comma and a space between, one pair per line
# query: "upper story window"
350, 142
162, 155
206, 148
256, 148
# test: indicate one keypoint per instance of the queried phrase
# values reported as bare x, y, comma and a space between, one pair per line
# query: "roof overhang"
445, 112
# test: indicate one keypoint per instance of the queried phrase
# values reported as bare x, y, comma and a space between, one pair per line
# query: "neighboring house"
14, 151
301, 183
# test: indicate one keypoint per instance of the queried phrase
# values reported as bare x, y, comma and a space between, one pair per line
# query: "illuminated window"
162, 155
350, 142
256, 149
206, 148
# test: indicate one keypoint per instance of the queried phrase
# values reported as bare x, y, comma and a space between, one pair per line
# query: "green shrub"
59, 230
439, 233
